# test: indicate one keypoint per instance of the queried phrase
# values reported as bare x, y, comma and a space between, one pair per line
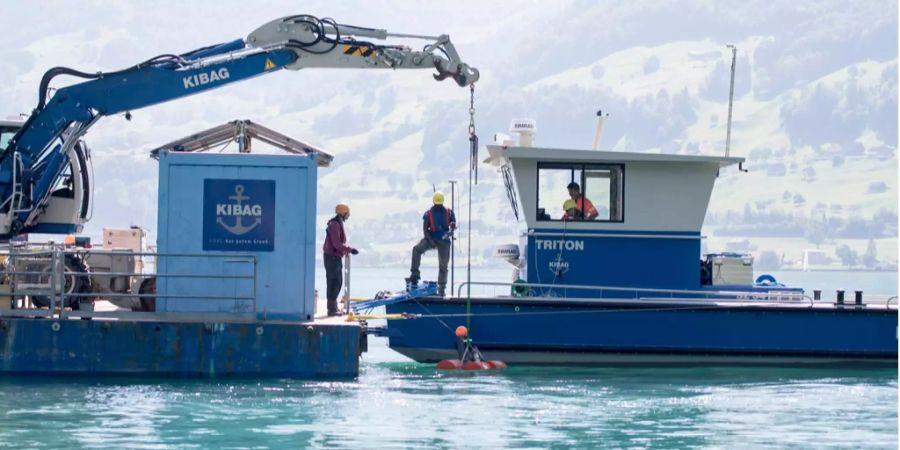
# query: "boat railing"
43, 281
635, 293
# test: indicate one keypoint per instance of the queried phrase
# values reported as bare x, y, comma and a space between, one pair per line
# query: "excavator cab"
69, 205
8, 129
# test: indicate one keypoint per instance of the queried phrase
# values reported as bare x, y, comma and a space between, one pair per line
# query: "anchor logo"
238, 228
559, 267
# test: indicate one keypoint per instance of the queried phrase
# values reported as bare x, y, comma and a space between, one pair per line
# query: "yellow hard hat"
341, 208
569, 204
438, 198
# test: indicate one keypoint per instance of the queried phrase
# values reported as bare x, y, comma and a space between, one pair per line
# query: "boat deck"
871, 302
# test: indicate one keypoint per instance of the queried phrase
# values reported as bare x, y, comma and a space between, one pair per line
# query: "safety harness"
431, 224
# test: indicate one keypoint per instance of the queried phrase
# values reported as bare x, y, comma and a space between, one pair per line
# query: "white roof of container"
498, 153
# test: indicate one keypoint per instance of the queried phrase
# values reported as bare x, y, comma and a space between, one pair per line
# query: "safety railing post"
255, 268
60, 271
347, 284
51, 284
55, 300
10, 267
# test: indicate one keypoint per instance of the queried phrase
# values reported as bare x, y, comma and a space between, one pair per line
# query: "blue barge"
619, 278
178, 348
233, 290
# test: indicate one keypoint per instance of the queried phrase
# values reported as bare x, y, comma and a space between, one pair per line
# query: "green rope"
473, 170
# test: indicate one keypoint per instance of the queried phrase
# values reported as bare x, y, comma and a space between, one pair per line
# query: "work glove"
354, 251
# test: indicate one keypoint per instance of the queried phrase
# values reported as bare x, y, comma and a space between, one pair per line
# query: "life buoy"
519, 288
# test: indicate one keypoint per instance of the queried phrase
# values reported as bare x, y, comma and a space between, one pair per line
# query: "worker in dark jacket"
438, 224
334, 250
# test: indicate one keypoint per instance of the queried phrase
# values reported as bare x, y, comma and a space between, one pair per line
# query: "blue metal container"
255, 216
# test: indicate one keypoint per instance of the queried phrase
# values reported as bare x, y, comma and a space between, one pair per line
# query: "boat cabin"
615, 219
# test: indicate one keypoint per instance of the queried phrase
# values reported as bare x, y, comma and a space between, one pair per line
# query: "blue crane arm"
38, 144
47, 144
129, 90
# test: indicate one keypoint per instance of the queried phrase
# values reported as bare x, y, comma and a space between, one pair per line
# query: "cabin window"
506, 170
594, 189
6, 134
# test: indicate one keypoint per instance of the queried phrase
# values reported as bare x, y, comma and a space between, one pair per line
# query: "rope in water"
473, 170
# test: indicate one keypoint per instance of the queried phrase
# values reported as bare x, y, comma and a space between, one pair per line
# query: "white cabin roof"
499, 153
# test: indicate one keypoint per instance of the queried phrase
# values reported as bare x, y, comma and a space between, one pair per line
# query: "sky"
816, 82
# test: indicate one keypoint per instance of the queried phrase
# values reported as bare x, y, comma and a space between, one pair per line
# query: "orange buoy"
497, 364
462, 331
476, 365
455, 364
450, 364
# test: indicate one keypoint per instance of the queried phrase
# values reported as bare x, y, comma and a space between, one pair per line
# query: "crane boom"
44, 186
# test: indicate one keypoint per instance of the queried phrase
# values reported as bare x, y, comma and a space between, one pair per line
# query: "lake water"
397, 403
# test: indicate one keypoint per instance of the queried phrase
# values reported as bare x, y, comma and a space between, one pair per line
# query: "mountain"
815, 107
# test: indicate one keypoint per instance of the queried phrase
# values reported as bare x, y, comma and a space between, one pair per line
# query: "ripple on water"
402, 405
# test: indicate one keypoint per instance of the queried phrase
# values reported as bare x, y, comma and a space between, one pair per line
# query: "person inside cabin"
438, 224
333, 252
571, 211
585, 207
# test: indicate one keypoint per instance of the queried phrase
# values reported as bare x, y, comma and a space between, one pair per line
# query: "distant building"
883, 152
738, 246
776, 170
815, 257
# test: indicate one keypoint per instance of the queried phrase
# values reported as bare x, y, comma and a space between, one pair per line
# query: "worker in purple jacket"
334, 250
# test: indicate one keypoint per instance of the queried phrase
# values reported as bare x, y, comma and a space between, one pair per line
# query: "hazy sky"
813, 77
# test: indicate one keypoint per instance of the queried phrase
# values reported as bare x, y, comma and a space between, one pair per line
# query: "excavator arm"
48, 149
324, 43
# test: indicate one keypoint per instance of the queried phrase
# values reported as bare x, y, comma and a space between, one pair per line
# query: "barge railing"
41, 272
774, 296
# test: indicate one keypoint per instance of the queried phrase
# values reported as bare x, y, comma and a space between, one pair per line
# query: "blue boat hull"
559, 331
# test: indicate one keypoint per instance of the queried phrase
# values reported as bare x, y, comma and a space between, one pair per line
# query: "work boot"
411, 282
441, 292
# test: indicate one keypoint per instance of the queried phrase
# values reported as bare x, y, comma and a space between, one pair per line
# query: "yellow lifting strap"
351, 317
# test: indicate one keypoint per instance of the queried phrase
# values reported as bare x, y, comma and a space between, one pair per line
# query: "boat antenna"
600, 119
730, 98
